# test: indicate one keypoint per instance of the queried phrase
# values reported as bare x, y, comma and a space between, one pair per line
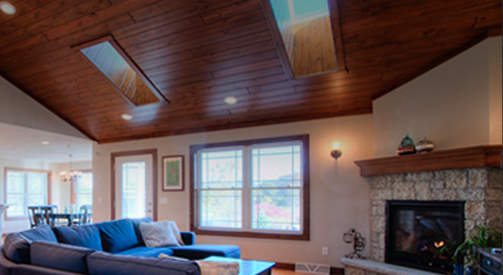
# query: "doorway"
134, 184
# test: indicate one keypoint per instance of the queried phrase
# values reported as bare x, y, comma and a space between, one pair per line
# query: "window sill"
15, 218
279, 236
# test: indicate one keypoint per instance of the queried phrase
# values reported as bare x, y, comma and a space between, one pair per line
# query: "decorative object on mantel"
336, 152
460, 158
358, 241
72, 175
424, 146
173, 173
406, 146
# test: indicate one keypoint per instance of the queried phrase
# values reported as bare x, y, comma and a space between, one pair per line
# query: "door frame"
115, 155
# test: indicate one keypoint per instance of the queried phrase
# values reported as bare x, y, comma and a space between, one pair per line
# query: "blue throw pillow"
60, 256
85, 236
40, 233
117, 236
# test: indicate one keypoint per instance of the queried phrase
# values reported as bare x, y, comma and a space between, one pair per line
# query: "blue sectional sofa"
107, 248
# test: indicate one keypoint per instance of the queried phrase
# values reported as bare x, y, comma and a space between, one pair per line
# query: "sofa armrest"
188, 238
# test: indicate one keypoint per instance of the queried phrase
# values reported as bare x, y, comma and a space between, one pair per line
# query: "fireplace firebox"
423, 234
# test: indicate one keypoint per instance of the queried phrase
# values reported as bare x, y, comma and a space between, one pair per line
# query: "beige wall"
339, 196
13, 226
456, 104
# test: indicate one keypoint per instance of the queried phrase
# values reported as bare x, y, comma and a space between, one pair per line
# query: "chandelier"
72, 175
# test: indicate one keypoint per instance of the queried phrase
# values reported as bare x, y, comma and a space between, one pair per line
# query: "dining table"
68, 217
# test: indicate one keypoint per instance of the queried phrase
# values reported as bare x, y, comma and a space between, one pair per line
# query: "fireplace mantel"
460, 158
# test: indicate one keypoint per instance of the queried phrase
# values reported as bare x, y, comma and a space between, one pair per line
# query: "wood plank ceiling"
197, 52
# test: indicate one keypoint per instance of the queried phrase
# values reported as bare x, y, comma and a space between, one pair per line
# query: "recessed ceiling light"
45, 142
230, 100
127, 116
7, 8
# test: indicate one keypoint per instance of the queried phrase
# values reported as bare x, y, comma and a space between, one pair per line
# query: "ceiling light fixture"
230, 100
45, 142
126, 116
7, 8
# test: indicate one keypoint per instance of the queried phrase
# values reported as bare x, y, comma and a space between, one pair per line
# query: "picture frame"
173, 173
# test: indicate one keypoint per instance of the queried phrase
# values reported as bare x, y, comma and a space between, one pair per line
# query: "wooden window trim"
49, 189
73, 199
115, 155
305, 236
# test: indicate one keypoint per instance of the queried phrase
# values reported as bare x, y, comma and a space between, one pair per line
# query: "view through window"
25, 188
253, 187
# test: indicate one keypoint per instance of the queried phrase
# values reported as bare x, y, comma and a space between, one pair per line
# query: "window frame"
74, 188
251, 233
25, 170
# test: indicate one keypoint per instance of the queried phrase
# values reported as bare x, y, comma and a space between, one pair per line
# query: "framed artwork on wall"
173, 173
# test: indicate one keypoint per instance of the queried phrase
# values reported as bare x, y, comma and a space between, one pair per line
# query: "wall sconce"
336, 152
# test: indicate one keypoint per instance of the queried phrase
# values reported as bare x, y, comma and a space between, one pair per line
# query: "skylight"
306, 31
109, 58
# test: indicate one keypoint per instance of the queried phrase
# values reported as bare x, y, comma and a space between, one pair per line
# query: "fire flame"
439, 244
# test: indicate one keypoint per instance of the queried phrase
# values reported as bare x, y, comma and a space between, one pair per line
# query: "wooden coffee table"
247, 267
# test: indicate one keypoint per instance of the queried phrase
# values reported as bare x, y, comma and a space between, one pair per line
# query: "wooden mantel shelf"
469, 157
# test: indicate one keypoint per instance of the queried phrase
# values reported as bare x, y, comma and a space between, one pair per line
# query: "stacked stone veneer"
481, 188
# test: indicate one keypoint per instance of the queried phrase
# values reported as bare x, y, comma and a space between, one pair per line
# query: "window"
134, 194
83, 189
253, 188
111, 60
24, 188
310, 35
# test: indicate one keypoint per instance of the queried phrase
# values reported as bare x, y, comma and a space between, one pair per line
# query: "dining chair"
34, 216
86, 212
42, 214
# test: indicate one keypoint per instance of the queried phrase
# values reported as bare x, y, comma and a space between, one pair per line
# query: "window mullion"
247, 175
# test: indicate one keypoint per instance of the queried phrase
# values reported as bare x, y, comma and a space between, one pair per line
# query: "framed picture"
172, 173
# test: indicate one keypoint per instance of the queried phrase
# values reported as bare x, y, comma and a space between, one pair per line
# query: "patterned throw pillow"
158, 234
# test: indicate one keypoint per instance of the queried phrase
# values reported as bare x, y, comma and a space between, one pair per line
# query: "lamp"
336, 152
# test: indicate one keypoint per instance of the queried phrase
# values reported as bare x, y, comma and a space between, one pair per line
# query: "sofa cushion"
40, 233
16, 246
158, 234
136, 225
144, 251
60, 256
201, 251
117, 236
85, 236
101, 263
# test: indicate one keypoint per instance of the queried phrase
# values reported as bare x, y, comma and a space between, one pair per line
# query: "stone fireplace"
468, 177
479, 188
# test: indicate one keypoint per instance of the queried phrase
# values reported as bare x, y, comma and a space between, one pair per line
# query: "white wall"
339, 196
19, 109
456, 104
16, 225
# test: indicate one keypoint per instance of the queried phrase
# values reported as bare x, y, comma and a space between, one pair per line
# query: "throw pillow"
156, 234
176, 232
